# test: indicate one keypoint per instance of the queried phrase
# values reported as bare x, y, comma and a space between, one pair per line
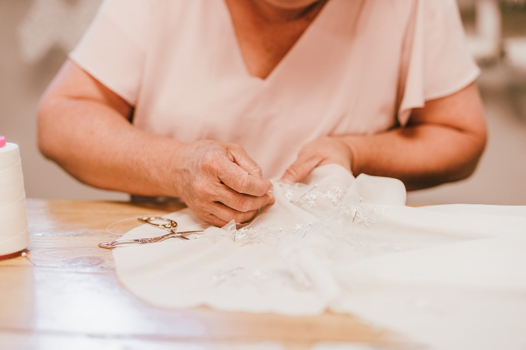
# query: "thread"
14, 231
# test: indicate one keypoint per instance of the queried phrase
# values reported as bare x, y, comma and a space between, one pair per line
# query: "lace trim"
303, 195
290, 242
346, 212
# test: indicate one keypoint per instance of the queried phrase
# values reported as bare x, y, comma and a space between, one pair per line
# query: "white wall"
501, 175
21, 85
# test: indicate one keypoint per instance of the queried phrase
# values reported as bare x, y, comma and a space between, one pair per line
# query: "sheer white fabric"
441, 274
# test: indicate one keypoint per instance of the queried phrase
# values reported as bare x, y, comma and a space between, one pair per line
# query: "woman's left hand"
325, 150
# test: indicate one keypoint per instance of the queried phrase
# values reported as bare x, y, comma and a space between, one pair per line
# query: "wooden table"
65, 295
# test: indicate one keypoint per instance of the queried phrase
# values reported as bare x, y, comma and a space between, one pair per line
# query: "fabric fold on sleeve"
436, 60
114, 48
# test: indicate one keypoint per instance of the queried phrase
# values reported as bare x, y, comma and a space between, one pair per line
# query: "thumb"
300, 169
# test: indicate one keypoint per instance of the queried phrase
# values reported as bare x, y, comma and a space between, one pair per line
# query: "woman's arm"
442, 142
86, 129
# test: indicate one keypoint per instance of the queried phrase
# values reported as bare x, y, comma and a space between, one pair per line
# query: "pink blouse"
359, 68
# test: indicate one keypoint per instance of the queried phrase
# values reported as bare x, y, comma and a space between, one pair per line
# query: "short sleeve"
435, 59
114, 48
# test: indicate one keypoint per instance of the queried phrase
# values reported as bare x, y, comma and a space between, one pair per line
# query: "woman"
205, 100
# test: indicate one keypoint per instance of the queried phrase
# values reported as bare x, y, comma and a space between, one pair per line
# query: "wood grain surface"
65, 295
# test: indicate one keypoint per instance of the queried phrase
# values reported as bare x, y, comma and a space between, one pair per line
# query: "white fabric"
453, 276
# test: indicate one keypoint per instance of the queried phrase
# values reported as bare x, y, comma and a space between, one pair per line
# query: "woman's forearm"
100, 147
420, 155
84, 127
442, 142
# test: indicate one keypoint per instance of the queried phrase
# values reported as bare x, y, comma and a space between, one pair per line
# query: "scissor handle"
165, 224
157, 221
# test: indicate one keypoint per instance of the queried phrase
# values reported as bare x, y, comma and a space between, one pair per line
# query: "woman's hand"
217, 180
220, 182
325, 150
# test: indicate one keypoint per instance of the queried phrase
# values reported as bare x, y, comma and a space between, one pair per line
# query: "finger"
241, 202
212, 219
241, 158
227, 214
300, 169
241, 181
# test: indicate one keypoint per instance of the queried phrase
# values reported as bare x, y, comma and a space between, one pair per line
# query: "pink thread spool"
14, 231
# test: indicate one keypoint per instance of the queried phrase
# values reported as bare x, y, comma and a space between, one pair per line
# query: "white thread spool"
14, 231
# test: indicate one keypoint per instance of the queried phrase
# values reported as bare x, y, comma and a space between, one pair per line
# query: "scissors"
157, 221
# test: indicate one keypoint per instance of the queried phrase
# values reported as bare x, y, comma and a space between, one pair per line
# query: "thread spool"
14, 231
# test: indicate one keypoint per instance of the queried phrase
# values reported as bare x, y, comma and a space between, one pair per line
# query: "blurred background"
36, 35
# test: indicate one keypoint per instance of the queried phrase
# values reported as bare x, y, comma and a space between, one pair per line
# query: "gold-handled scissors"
159, 222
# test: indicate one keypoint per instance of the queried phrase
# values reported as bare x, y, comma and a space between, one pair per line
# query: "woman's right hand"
220, 182
85, 127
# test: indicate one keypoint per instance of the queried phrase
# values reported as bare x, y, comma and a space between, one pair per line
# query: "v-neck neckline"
240, 58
